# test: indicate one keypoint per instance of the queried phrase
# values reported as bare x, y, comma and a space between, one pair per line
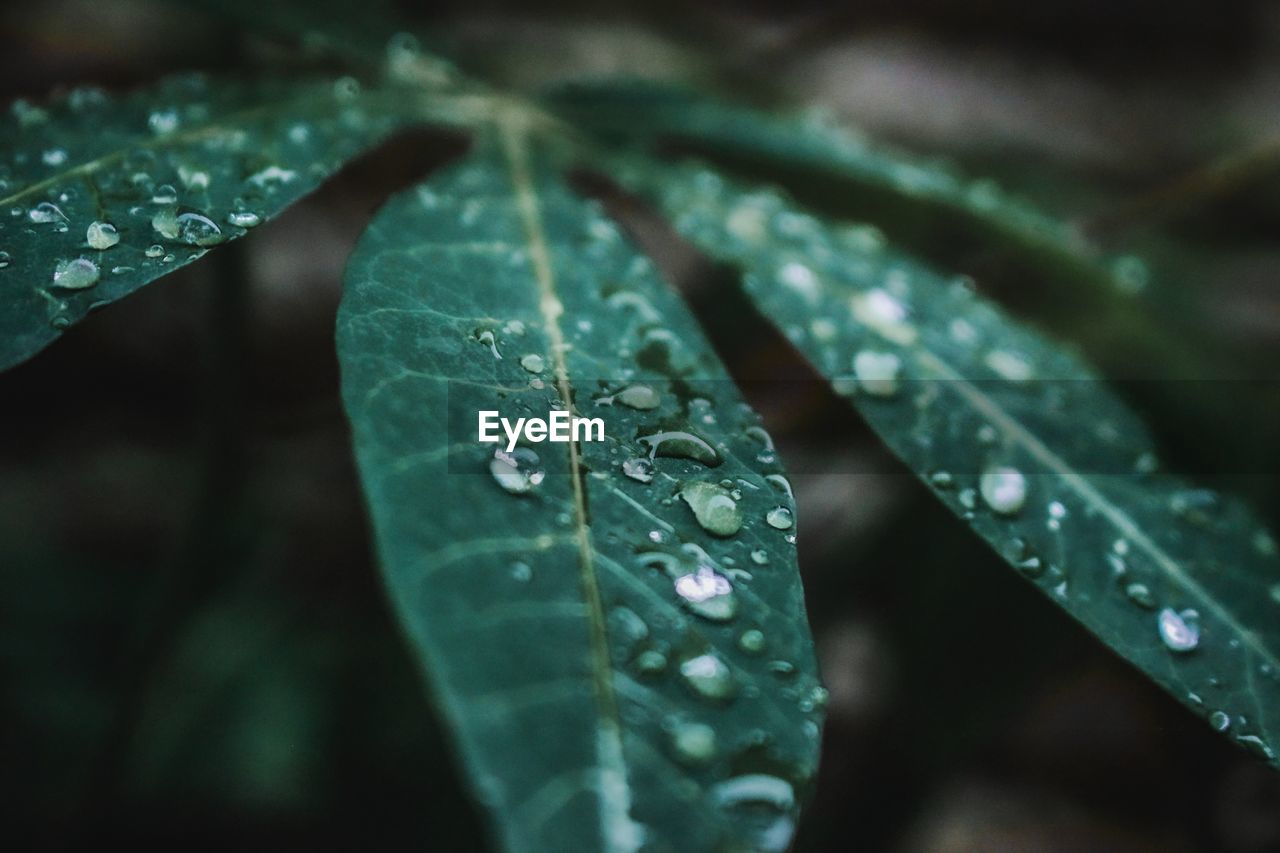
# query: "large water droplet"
46, 212
518, 471
713, 507
780, 517
1004, 489
709, 677
533, 363
1180, 632
638, 397
196, 229
708, 593
75, 274
877, 372
762, 810
102, 235
681, 445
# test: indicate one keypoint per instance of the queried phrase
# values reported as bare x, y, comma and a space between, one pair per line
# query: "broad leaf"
1017, 437
99, 196
615, 629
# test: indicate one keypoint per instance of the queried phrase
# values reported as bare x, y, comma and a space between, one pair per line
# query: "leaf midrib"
617, 828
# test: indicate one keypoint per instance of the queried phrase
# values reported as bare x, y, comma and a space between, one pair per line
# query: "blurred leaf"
1018, 438
99, 196
614, 673
656, 114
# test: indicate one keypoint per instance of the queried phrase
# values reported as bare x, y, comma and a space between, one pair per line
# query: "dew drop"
165, 223
709, 677
716, 511
46, 212
196, 229
1220, 721
761, 809
877, 372
5, 259
243, 218
164, 194
708, 593
780, 518
1140, 594
1004, 489
155, 250
640, 470
54, 157
485, 336
651, 662
1180, 632
163, 121
752, 641
75, 274
518, 471
638, 397
681, 445
760, 557
533, 363
694, 743
102, 235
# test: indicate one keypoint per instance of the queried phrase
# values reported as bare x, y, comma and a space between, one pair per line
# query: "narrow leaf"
99, 196
654, 114
1019, 439
615, 629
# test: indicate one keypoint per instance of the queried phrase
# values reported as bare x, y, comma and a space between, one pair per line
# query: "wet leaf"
1017, 437
615, 673
661, 115
100, 195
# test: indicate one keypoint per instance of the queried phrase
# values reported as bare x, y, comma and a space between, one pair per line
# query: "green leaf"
166, 173
655, 114
615, 673
1019, 439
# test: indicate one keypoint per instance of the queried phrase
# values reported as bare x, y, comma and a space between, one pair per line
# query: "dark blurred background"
194, 646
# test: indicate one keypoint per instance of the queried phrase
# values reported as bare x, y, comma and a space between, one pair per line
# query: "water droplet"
877, 372
243, 218
800, 278
694, 743
46, 212
638, 397
762, 809
1140, 594
709, 677
640, 470
196, 229
1256, 745
485, 336
1198, 506
75, 274
760, 557
681, 445
163, 121
155, 250
518, 471
271, 175
54, 157
885, 314
5, 259
1009, 365
1220, 721
164, 194
752, 641
521, 571
1180, 632
651, 662
533, 363
102, 235
165, 223
708, 593
1004, 489
713, 507
780, 518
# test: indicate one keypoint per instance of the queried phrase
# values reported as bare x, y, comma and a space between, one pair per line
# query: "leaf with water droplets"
148, 182
663, 116
1016, 436
608, 693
